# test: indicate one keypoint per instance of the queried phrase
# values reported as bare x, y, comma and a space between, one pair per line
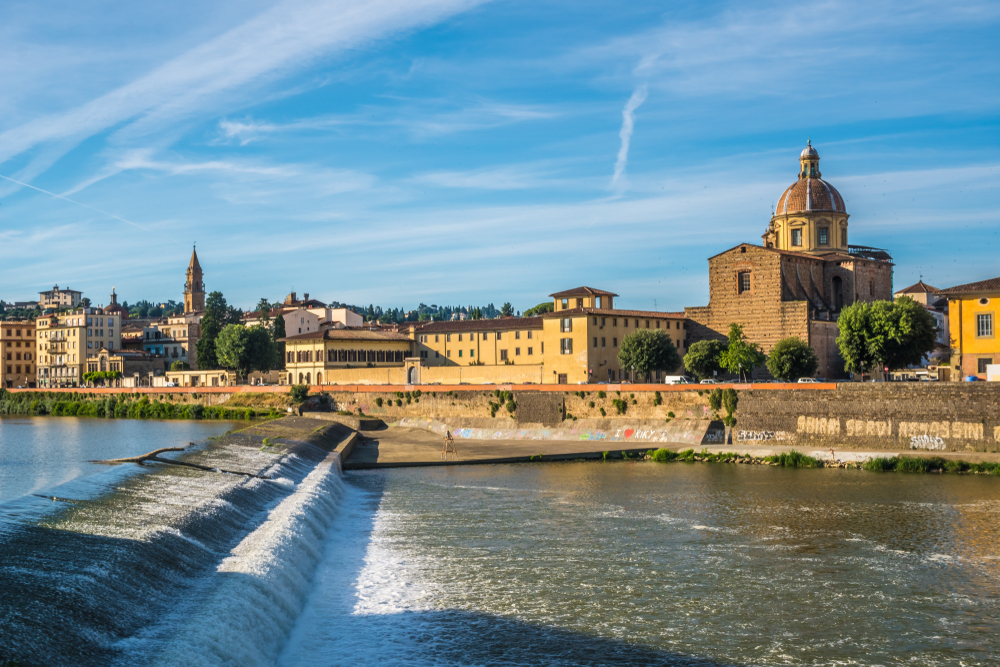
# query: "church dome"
810, 193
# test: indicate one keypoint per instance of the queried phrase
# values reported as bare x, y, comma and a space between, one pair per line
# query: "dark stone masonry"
945, 417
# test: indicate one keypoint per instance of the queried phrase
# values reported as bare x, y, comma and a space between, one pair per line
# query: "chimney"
305, 296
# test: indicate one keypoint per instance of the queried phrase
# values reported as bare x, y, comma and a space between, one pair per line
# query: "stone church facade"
799, 279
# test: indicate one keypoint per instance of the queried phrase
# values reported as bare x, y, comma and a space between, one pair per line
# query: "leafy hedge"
119, 406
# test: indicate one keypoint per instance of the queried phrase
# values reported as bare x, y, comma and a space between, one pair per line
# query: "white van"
676, 379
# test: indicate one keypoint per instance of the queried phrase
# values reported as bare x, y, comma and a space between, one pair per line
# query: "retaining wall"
945, 417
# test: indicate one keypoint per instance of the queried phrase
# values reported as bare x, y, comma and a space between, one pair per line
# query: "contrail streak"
628, 124
95, 210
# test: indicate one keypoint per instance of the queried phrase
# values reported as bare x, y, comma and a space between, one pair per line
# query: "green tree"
792, 358
507, 310
245, 349
648, 350
741, 356
180, 366
895, 334
702, 358
263, 310
85, 302
277, 333
215, 318
544, 307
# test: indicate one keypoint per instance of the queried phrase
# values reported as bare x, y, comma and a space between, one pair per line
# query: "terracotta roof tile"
991, 285
919, 288
582, 291
499, 324
614, 312
347, 334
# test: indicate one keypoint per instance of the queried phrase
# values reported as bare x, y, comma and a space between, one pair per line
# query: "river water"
596, 563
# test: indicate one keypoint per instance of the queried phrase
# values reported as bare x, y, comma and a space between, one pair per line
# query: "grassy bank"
794, 459
120, 406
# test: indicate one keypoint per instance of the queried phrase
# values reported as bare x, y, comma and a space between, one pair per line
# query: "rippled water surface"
39, 453
597, 563
640, 563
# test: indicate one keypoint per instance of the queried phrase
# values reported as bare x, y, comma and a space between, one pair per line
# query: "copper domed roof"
810, 193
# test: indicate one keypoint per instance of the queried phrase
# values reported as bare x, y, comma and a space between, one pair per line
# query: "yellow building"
352, 354
17, 353
67, 339
972, 311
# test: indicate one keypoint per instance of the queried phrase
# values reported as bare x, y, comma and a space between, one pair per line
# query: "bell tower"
194, 288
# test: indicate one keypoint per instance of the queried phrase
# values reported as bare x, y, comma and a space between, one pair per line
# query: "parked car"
676, 379
708, 381
808, 381
169, 384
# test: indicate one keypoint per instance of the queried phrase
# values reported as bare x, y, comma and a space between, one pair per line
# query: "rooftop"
983, 286
502, 323
581, 291
347, 334
919, 288
615, 312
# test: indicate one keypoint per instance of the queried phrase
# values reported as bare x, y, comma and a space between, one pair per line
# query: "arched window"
300, 378
319, 378
838, 293
308, 379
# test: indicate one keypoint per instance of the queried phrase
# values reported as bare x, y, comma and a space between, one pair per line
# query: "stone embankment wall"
445, 404
945, 417
632, 433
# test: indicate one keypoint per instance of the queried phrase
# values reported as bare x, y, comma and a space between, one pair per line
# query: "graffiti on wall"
960, 430
761, 436
818, 425
927, 442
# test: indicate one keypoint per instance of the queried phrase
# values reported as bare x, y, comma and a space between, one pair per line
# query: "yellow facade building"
577, 342
972, 318
17, 353
67, 339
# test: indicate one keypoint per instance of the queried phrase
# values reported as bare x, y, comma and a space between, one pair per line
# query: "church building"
799, 279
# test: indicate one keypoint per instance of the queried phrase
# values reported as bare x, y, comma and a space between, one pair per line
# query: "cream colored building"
311, 358
66, 340
18, 353
59, 298
578, 342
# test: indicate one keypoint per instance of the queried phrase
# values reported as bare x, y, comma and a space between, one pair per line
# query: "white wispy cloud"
290, 35
628, 125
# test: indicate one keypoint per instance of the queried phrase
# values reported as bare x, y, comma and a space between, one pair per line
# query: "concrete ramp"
639, 433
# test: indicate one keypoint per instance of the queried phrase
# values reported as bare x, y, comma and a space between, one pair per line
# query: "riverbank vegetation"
120, 406
794, 459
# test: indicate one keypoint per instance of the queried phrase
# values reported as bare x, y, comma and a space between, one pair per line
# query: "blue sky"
458, 152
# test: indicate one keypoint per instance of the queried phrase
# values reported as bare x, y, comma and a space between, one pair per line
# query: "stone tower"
810, 216
194, 288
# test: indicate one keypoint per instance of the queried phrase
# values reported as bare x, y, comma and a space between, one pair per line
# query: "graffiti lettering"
818, 425
755, 435
926, 442
715, 436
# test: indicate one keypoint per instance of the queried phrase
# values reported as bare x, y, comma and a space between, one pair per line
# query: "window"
984, 325
543, 346
614, 342
472, 353
448, 338
449, 354
503, 355
565, 303
658, 324
614, 321
460, 353
602, 343
436, 338
517, 352
983, 363
637, 324
499, 335
579, 303
595, 341
604, 321
437, 354
843, 236
871, 287
530, 351
647, 324
824, 236
797, 237
626, 322
486, 336
566, 346
517, 335
743, 282
567, 325
529, 335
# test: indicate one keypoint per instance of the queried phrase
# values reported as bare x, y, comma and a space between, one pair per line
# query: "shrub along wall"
120, 406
